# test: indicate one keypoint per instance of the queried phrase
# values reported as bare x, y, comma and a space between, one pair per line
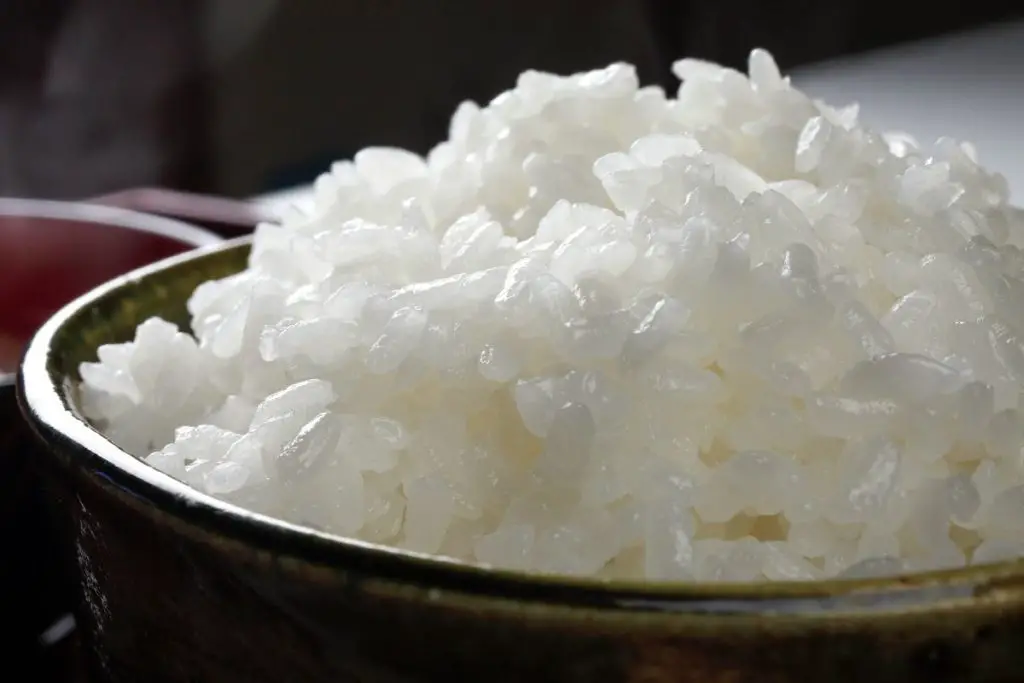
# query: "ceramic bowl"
50, 253
180, 587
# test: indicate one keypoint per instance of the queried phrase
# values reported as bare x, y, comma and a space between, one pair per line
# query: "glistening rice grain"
728, 336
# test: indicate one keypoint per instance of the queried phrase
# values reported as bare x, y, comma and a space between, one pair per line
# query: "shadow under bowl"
37, 582
182, 587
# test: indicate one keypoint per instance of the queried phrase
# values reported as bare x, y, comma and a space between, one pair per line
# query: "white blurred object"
89, 113
967, 86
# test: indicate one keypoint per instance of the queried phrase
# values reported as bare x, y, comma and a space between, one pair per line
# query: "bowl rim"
85, 212
51, 414
116, 217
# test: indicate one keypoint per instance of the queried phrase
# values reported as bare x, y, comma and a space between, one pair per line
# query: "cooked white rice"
729, 336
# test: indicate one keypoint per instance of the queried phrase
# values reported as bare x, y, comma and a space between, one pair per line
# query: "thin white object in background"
275, 203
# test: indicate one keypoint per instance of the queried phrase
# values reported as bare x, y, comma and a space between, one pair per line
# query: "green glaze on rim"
110, 313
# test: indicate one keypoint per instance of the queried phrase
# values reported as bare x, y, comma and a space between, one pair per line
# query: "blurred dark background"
240, 97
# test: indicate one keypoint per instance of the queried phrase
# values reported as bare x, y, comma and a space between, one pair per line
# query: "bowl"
51, 253
180, 586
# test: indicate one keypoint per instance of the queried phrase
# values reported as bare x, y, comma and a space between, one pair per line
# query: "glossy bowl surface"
170, 574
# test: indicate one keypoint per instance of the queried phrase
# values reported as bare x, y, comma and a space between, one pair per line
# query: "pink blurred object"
55, 251
10, 348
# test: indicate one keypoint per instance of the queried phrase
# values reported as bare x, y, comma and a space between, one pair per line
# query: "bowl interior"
110, 314
53, 252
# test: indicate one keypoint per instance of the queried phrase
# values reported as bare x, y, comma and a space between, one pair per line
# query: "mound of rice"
728, 336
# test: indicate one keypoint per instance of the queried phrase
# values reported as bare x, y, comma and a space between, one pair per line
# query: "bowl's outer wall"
166, 600
166, 605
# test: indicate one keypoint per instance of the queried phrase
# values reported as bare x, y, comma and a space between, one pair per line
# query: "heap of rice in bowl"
729, 336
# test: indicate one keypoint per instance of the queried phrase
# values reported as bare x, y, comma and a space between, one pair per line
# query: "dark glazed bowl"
50, 253
180, 587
